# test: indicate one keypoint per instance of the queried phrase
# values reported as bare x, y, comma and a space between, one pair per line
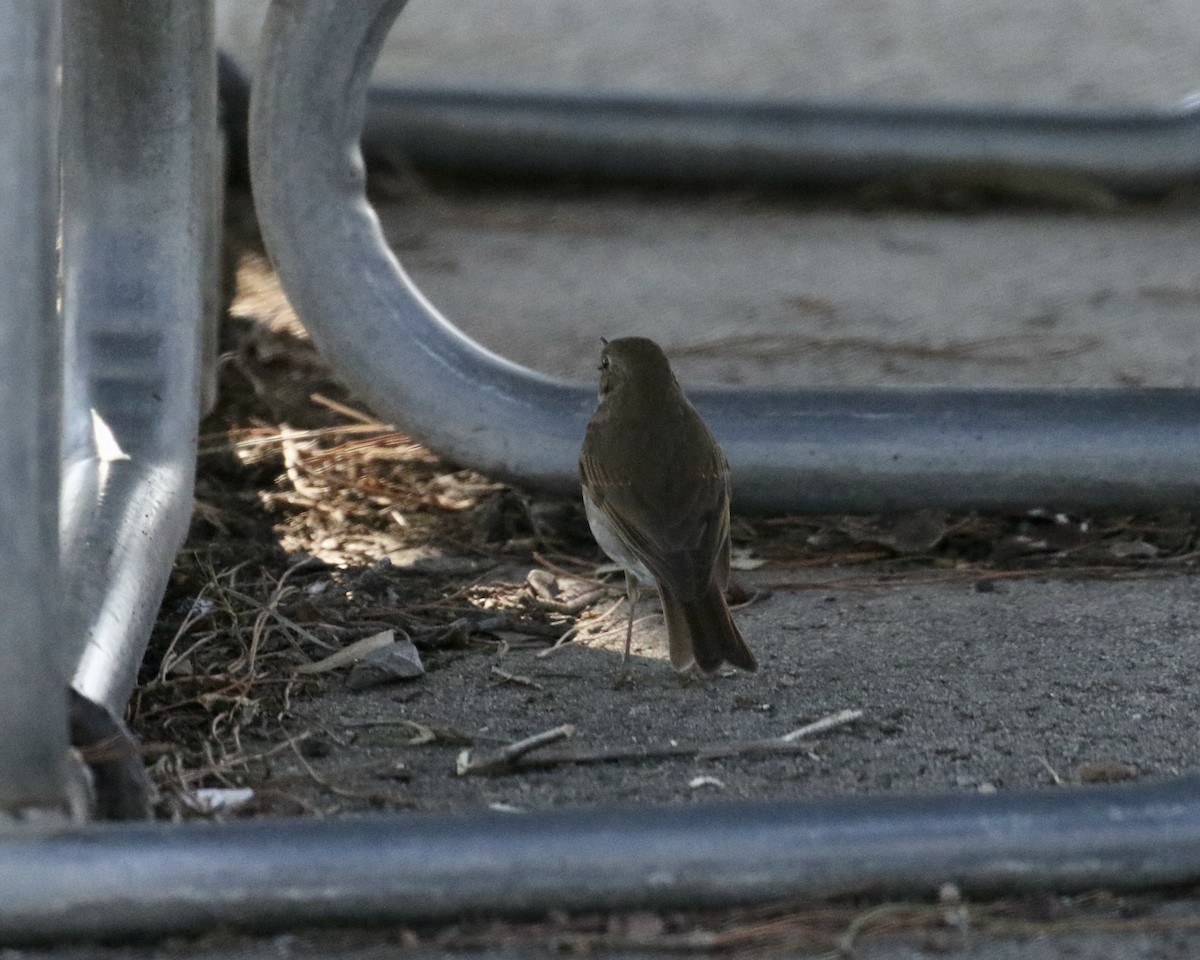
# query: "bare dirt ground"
318, 526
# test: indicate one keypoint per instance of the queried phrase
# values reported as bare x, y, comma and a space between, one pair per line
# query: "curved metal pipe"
126, 880
378, 330
531, 134
806, 450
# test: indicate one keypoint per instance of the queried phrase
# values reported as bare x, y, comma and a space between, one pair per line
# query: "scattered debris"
743, 559
911, 534
451, 636
211, 800
1058, 781
1126, 549
1105, 771
563, 594
350, 655
743, 701
430, 561
839, 719
1097, 771
833, 930
578, 628
396, 770
514, 678
412, 734
396, 661
505, 808
504, 759
520, 756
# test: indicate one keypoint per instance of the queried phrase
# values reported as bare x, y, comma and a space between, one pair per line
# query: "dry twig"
517, 757
504, 759
517, 679
839, 719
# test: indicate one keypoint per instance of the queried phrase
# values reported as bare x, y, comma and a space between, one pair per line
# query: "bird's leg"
631, 591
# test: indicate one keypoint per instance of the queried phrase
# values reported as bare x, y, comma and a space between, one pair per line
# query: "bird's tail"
701, 631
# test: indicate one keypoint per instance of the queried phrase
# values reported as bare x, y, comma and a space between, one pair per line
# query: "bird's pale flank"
656, 490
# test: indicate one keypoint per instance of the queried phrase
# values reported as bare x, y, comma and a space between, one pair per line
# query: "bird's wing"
677, 525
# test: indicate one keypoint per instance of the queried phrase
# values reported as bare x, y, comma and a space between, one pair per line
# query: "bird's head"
636, 361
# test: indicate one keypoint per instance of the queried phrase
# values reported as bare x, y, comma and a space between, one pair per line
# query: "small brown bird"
656, 490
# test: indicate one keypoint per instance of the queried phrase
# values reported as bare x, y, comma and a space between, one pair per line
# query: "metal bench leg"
33, 704
141, 175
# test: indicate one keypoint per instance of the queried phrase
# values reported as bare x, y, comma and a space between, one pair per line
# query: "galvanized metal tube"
867, 451
33, 705
140, 167
403, 357
802, 450
530, 134
117, 880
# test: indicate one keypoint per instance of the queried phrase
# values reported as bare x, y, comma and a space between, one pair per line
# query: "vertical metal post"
33, 709
140, 167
